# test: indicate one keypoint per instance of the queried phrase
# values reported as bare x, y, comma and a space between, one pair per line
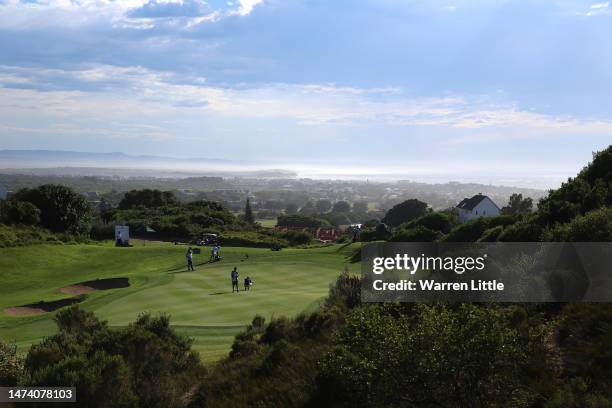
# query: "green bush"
251, 239
12, 236
145, 364
15, 212
415, 234
526, 230
404, 212
436, 221
297, 237
472, 230
585, 335
491, 235
385, 359
61, 208
594, 226
11, 364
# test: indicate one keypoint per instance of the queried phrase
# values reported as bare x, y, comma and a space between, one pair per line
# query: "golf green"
201, 303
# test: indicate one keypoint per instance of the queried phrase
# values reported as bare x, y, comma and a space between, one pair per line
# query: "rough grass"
200, 303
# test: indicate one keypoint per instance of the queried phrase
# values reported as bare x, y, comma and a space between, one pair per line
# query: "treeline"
45, 214
56, 214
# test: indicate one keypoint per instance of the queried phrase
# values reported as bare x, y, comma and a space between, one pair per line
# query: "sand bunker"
41, 307
76, 289
98, 284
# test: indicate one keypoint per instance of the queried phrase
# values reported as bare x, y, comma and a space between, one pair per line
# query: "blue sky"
500, 90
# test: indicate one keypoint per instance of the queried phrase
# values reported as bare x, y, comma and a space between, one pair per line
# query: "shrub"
404, 212
19, 212
526, 230
415, 234
594, 226
345, 292
491, 235
144, 364
251, 239
385, 359
11, 364
472, 230
297, 237
12, 236
435, 221
102, 232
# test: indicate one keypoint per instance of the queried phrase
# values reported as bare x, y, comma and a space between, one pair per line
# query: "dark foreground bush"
11, 364
145, 364
436, 357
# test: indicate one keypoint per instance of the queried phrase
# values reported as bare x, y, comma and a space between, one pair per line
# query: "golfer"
247, 283
189, 256
234, 275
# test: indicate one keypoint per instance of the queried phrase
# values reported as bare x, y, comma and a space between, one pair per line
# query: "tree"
147, 198
360, 207
19, 212
404, 212
61, 208
384, 359
436, 221
594, 226
341, 207
248, 212
518, 205
115, 367
323, 205
291, 208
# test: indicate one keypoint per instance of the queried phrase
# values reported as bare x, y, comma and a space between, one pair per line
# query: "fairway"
201, 303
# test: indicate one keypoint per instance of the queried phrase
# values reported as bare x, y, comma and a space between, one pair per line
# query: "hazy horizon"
120, 163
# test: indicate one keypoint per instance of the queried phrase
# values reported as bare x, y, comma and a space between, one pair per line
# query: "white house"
476, 207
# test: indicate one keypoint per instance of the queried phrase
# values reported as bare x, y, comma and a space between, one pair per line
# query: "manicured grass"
200, 303
268, 223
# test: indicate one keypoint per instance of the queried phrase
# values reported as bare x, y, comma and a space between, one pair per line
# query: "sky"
499, 91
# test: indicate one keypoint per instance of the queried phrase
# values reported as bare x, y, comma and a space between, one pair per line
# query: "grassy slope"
201, 304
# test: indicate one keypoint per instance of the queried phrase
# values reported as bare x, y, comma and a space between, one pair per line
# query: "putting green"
201, 303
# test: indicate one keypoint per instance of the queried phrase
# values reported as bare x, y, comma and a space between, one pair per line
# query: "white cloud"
246, 6
599, 6
18, 15
131, 97
598, 9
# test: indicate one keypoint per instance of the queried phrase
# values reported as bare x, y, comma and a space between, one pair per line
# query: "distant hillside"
56, 162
